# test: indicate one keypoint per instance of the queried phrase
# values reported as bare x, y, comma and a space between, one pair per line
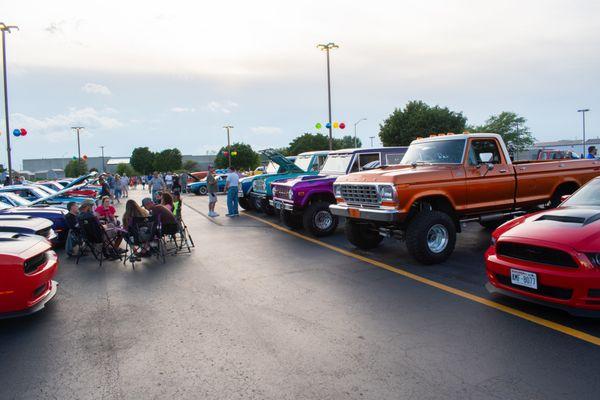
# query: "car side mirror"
565, 197
490, 166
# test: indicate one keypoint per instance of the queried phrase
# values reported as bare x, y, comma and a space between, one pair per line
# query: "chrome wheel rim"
437, 238
323, 220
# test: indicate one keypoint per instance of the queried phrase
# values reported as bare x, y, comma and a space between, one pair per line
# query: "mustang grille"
281, 192
542, 255
548, 291
31, 265
360, 194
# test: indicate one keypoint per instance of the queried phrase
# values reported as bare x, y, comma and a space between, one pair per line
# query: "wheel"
257, 204
245, 204
268, 209
203, 190
557, 196
362, 236
290, 220
431, 237
318, 220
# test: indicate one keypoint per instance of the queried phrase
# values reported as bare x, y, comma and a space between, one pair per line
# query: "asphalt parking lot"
260, 312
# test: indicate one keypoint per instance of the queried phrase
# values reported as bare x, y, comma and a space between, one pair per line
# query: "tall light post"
6, 28
326, 48
583, 111
356, 123
371, 137
78, 128
102, 147
228, 127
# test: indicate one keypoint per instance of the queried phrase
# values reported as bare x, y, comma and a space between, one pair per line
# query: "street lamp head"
584, 110
327, 46
7, 28
228, 127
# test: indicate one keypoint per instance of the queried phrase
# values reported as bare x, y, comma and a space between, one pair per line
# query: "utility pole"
78, 128
228, 127
583, 111
356, 123
326, 48
6, 28
371, 137
102, 147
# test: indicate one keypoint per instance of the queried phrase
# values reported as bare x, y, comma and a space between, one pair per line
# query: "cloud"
183, 109
57, 128
266, 130
95, 89
225, 107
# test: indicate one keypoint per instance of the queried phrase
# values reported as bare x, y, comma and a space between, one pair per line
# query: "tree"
167, 160
347, 142
245, 158
76, 168
190, 166
419, 119
142, 159
308, 142
125, 169
511, 127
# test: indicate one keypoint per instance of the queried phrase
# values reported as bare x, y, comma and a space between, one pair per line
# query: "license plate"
354, 212
277, 205
523, 278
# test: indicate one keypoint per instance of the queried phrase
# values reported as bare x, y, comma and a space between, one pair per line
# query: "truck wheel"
290, 220
268, 209
257, 204
318, 220
245, 204
362, 236
203, 191
430, 237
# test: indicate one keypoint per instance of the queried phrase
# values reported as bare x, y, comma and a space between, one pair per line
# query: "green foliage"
246, 158
167, 160
190, 165
125, 169
76, 168
346, 142
419, 119
308, 142
511, 127
142, 159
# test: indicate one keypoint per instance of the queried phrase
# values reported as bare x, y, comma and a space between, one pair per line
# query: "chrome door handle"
503, 170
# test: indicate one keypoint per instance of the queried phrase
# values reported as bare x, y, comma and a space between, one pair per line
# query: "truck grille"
31, 265
542, 255
281, 192
360, 194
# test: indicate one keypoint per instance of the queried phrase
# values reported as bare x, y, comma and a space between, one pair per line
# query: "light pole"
102, 147
6, 28
583, 111
371, 137
78, 128
356, 123
326, 48
228, 127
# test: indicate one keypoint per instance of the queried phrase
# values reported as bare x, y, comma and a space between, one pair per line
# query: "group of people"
231, 190
159, 182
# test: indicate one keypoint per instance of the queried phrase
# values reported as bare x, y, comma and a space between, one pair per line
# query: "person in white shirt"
231, 188
125, 185
169, 180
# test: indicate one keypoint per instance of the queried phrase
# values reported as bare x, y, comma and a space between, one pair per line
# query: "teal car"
308, 163
272, 167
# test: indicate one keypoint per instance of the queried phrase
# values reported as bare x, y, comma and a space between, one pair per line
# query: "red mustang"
27, 266
551, 257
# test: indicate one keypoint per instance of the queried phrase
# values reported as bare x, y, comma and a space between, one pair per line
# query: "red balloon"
23, 131
84, 157
342, 125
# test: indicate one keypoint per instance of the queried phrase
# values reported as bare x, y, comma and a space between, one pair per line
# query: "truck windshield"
589, 195
435, 152
303, 162
337, 163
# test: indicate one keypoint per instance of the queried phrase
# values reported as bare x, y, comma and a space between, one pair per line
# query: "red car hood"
576, 227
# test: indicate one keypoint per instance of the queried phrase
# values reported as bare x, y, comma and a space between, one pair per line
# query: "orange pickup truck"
447, 180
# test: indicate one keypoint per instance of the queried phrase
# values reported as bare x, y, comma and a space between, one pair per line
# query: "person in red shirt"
105, 211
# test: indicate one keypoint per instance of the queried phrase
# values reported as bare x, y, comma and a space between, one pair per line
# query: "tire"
362, 236
256, 204
318, 220
203, 190
431, 237
245, 204
269, 210
290, 220
556, 197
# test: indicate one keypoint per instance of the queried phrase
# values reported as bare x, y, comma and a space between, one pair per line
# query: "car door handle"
503, 170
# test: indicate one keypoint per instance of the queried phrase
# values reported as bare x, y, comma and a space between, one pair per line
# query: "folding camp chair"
95, 238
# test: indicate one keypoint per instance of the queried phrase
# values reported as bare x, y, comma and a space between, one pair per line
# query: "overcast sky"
171, 74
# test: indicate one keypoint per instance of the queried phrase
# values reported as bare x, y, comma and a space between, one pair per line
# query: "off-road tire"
309, 219
290, 220
417, 236
360, 235
245, 204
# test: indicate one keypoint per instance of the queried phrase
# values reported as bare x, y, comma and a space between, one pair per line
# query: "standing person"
157, 184
183, 181
592, 152
143, 182
176, 183
104, 189
169, 180
110, 179
118, 188
212, 187
125, 185
231, 188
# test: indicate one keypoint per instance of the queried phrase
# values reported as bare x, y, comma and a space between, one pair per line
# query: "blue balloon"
328, 125
17, 132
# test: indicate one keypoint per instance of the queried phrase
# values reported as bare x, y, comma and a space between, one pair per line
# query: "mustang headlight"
386, 193
337, 191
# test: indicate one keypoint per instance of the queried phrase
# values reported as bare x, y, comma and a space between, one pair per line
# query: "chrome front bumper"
281, 205
371, 214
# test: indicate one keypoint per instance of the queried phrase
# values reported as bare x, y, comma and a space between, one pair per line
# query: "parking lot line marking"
449, 289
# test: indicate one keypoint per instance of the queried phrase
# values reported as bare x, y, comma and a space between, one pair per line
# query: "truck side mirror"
490, 166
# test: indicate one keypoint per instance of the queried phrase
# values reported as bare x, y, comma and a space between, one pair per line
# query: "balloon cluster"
233, 153
20, 132
83, 158
336, 125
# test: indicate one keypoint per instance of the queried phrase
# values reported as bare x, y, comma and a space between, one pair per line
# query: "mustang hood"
577, 227
76, 183
405, 174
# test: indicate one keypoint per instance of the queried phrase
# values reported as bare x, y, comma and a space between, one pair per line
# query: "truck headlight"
386, 193
337, 191
290, 194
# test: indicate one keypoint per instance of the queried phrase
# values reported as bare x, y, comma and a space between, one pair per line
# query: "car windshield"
303, 162
435, 152
589, 195
337, 163
16, 199
271, 168
45, 189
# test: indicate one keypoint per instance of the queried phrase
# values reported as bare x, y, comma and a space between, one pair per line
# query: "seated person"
132, 210
177, 204
86, 212
105, 211
73, 225
159, 213
167, 201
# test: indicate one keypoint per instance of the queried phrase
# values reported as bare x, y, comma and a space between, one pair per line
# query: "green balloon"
318, 125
